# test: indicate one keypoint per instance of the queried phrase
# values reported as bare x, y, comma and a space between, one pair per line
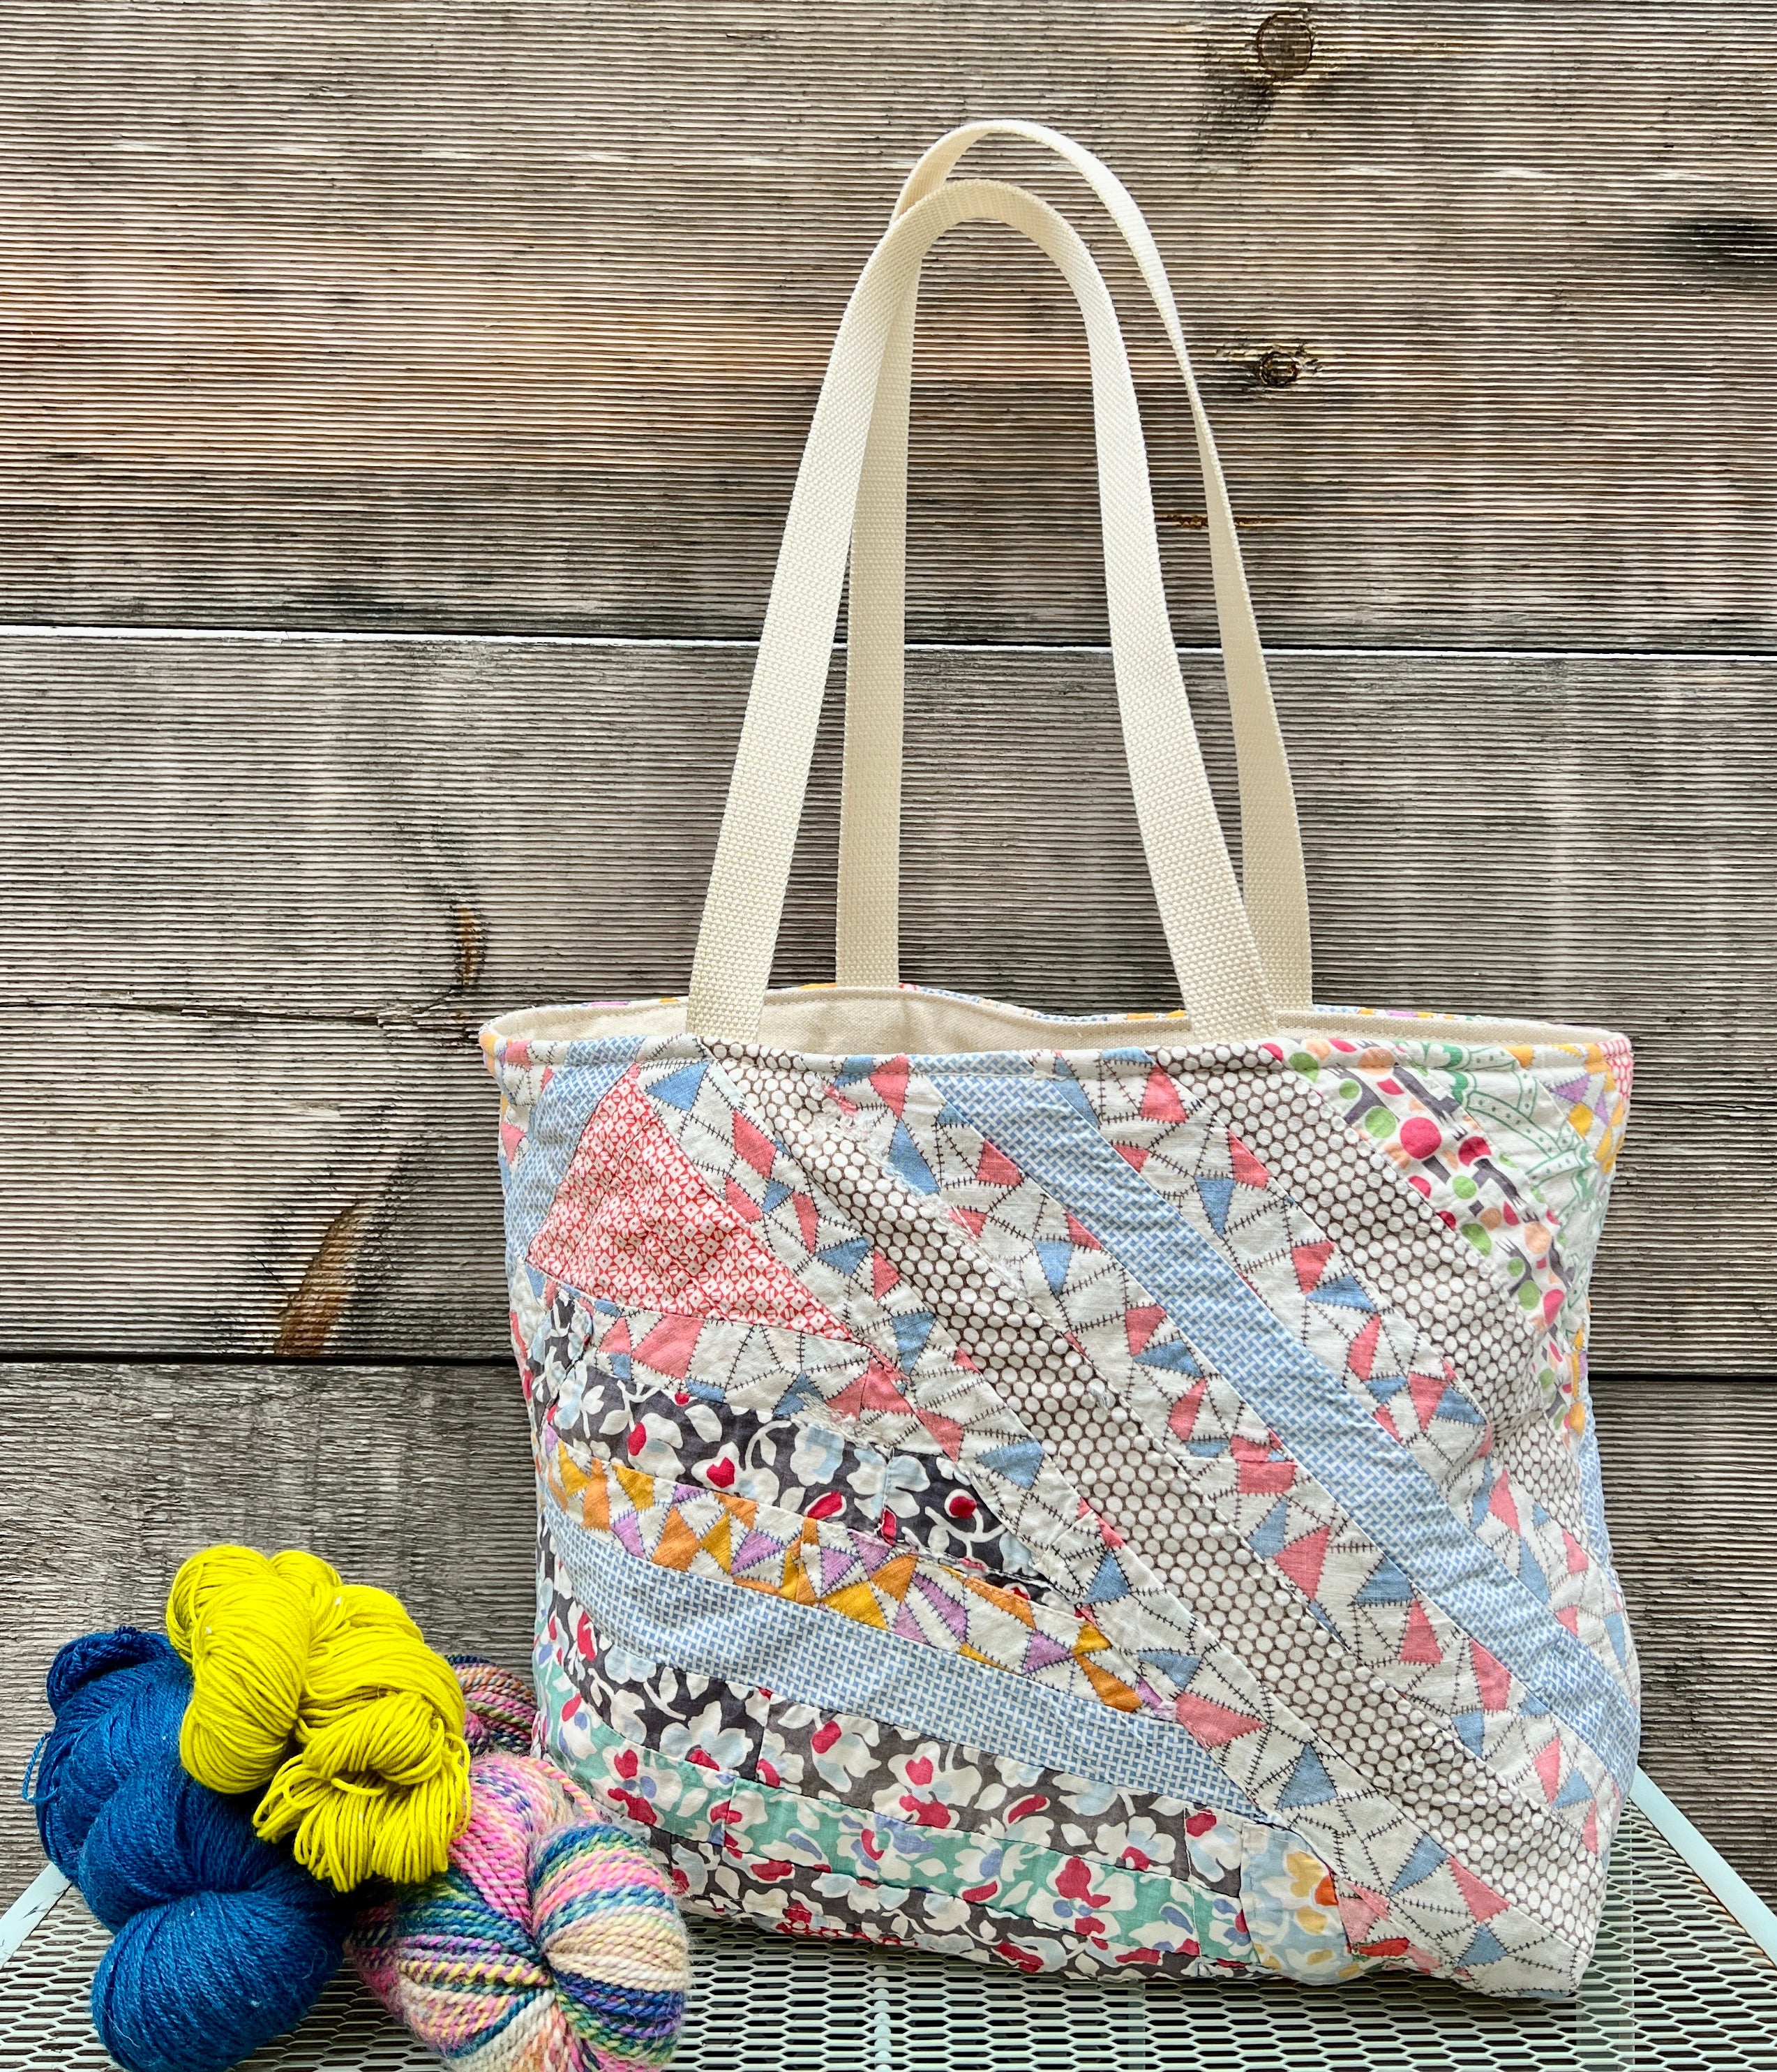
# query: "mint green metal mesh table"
1684, 1980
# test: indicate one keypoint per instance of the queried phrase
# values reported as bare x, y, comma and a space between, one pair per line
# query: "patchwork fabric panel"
1127, 1509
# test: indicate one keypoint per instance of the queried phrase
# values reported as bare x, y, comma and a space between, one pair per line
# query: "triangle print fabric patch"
635, 1221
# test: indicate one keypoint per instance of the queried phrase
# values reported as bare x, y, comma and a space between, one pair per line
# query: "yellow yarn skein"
246, 1625
326, 1693
382, 1793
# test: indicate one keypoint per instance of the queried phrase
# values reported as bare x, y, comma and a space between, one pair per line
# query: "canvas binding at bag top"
1096, 1494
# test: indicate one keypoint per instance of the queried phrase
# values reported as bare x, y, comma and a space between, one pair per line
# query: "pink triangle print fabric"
635, 1221
1089, 1510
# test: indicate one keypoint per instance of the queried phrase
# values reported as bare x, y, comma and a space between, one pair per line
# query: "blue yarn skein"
221, 1941
117, 1698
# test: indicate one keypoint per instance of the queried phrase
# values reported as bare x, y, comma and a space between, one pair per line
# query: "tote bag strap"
868, 950
1208, 933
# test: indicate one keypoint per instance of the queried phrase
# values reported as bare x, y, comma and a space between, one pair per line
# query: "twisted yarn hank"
118, 1699
221, 1942
501, 1706
325, 1693
552, 1943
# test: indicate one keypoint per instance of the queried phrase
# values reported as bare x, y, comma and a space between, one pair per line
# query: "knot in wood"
1284, 43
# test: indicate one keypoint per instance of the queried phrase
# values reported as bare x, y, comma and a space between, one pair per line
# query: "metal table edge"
1709, 1864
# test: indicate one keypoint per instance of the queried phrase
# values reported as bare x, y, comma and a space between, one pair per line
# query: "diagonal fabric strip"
556, 1125
714, 1628
1044, 1124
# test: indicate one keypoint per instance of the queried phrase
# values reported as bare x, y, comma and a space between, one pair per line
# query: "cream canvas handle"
868, 930
1211, 940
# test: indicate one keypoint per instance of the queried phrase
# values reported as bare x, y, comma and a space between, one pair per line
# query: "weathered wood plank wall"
267, 888
509, 317
485, 321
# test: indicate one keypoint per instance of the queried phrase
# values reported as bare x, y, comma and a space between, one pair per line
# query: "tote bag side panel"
772, 1491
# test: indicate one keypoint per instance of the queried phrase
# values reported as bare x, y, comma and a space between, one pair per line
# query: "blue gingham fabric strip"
818, 1658
1044, 1124
1591, 1491
553, 1130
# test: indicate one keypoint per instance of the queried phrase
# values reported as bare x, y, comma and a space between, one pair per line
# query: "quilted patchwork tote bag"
1098, 1495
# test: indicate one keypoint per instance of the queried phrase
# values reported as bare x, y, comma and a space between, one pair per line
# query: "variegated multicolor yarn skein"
500, 1707
552, 1943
